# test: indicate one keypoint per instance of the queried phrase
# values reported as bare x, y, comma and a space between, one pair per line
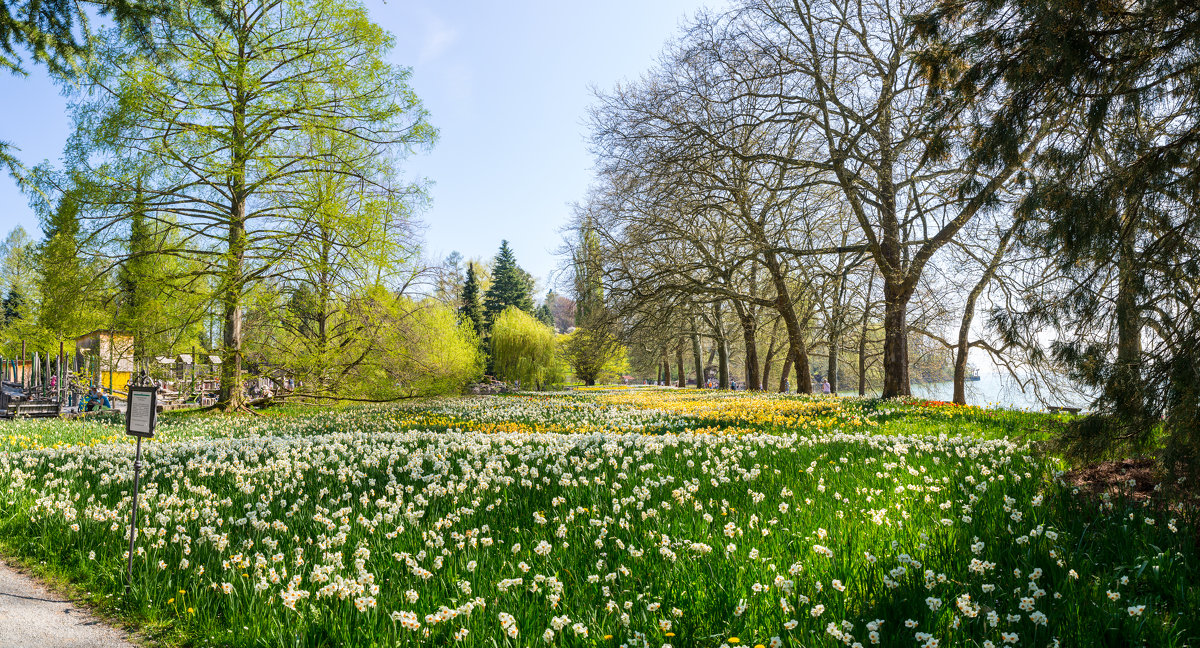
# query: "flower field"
630, 518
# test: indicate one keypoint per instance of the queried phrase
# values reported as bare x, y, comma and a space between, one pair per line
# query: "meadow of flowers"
636, 518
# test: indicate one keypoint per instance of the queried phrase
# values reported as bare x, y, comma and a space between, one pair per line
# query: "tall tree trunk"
832, 368
862, 338
895, 341
963, 346
682, 378
750, 340
231, 362
231, 395
696, 358
783, 377
787, 310
723, 362
666, 368
1129, 325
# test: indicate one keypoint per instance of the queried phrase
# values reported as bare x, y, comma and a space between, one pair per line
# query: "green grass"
364, 504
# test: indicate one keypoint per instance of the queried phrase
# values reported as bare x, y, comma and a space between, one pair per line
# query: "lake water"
995, 390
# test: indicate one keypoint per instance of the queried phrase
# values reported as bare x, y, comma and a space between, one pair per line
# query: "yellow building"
108, 354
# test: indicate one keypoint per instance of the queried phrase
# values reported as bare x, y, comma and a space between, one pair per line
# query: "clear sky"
507, 84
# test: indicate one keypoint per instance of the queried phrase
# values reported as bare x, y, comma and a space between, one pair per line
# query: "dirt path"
33, 617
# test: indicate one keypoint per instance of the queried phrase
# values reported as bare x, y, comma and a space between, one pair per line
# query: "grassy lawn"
637, 517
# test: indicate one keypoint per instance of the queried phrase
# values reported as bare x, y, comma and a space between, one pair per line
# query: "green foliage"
57, 34
421, 350
379, 346
1113, 203
524, 350
470, 311
64, 280
286, 121
511, 286
594, 355
544, 315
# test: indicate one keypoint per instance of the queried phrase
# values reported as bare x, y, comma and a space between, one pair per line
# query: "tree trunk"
231, 361
666, 369
1128, 315
832, 368
862, 338
231, 396
783, 377
696, 358
749, 339
963, 346
682, 378
723, 362
895, 340
796, 347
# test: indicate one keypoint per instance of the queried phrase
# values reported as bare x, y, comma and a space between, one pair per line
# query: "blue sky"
506, 83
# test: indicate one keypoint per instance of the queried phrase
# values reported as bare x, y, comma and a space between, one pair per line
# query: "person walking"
825, 386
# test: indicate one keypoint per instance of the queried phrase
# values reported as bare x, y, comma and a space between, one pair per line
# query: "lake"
994, 390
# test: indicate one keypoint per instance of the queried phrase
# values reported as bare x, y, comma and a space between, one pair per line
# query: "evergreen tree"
471, 310
13, 305
1112, 205
63, 277
511, 286
544, 315
140, 283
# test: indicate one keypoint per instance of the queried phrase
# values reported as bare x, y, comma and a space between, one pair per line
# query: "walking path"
33, 617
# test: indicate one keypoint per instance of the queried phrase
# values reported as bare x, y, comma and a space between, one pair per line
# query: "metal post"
137, 468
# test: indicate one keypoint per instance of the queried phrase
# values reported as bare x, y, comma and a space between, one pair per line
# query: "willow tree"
226, 123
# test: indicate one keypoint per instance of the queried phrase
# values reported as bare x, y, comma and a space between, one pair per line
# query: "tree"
591, 348
470, 310
57, 34
510, 286
1113, 202
220, 130
524, 350
63, 276
14, 306
544, 314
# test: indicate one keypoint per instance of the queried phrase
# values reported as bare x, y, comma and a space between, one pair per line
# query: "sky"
507, 84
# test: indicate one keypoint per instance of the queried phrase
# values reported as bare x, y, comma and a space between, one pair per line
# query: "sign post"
141, 414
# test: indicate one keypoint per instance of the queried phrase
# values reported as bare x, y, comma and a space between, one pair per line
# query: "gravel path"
33, 617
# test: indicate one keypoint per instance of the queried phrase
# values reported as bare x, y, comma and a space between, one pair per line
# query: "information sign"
141, 415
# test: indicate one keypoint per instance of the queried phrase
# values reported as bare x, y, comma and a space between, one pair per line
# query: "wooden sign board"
142, 413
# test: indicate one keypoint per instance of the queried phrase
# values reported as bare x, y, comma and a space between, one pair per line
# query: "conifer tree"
470, 311
510, 286
63, 278
544, 315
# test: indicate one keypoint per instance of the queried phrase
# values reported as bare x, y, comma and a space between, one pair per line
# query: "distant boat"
974, 374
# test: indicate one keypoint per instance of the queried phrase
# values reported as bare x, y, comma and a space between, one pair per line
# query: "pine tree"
470, 309
510, 286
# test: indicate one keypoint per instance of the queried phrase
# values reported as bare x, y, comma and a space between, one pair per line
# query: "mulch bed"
1134, 479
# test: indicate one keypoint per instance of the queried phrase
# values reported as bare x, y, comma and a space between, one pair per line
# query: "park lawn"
640, 517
